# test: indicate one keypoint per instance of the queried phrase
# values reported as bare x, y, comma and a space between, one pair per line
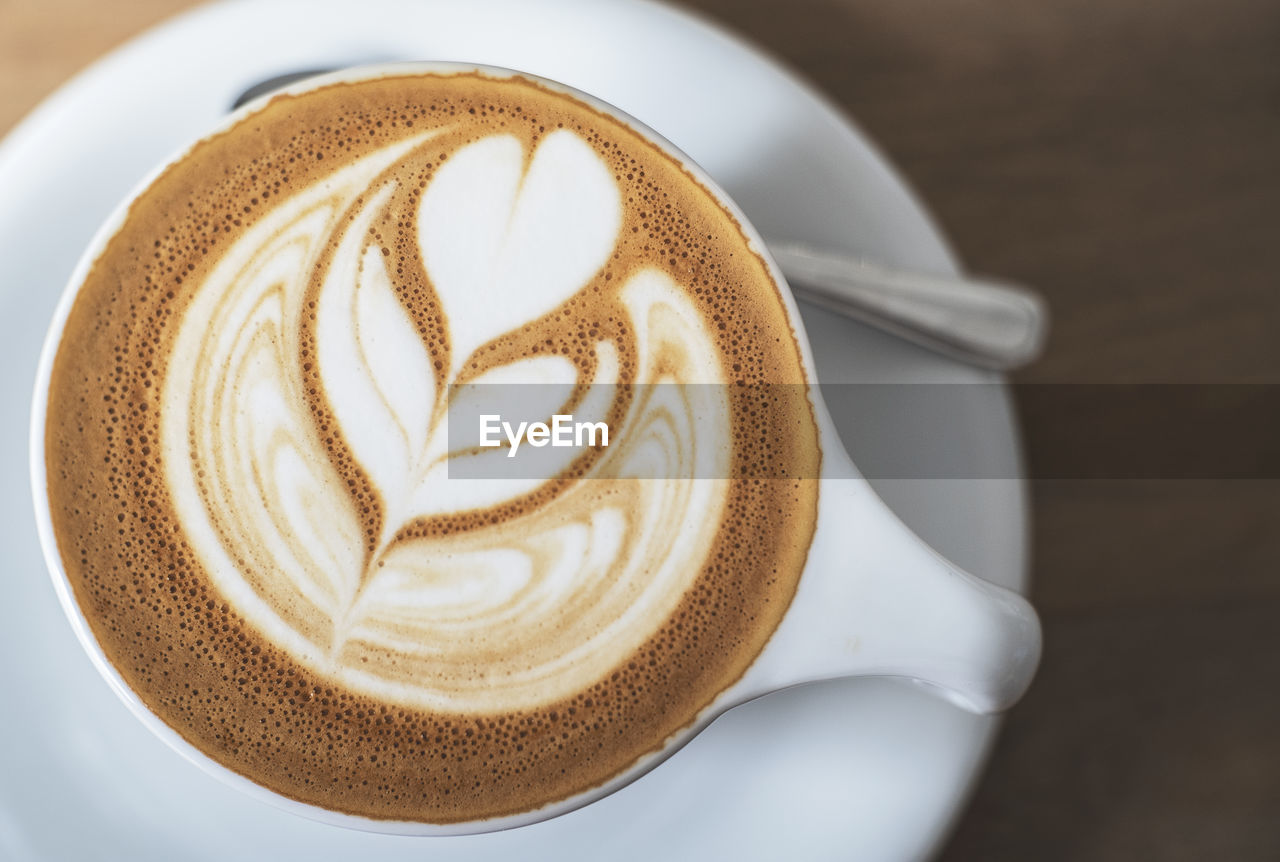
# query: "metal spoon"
985, 323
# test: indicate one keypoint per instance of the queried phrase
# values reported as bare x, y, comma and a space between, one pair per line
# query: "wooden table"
1121, 155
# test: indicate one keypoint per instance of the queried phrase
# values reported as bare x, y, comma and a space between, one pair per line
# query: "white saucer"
849, 770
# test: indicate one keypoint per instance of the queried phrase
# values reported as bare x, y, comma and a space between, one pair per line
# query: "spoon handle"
986, 323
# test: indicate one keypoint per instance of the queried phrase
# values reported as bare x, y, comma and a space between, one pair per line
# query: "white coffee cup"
873, 600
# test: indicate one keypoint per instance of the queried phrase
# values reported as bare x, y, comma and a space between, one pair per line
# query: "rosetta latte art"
269, 495
513, 612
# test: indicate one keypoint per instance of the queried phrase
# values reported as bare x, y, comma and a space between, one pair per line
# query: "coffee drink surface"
248, 470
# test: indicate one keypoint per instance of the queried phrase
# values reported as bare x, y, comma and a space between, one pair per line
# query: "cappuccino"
249, 467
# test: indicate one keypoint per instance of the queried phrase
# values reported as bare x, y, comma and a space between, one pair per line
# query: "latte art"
249, 455
509, 615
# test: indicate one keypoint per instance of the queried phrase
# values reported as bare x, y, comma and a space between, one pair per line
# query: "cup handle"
875, 600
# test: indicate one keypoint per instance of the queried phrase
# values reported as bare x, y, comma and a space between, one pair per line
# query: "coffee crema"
248, 466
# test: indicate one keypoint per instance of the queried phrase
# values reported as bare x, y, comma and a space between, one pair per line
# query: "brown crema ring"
226, 687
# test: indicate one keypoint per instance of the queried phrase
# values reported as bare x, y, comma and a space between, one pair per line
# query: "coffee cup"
194, 507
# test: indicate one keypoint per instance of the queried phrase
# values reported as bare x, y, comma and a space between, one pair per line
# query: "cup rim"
53, 559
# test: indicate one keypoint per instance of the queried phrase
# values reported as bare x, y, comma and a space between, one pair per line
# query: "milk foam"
249, 484
523, 611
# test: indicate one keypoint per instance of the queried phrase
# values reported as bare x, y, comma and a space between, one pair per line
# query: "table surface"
1121, 156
